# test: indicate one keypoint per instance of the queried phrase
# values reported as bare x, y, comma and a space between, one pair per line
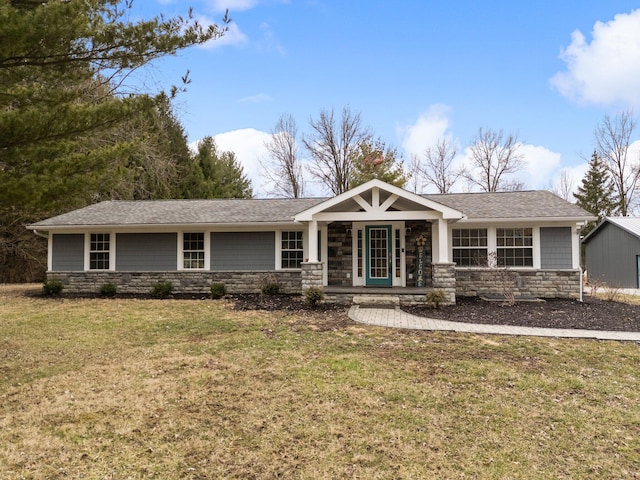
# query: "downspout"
42, 235
581, 283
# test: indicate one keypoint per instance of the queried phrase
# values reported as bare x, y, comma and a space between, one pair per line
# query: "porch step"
376, 301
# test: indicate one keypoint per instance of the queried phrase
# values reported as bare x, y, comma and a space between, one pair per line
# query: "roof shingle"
497, 205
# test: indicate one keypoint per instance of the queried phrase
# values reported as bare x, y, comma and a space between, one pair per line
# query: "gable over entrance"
377, 202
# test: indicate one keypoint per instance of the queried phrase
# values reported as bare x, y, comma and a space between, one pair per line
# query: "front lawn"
191, 389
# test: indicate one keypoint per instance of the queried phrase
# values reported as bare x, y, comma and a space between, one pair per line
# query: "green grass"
192, 389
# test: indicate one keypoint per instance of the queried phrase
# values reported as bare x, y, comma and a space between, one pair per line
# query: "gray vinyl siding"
611, 257
67, 252
243, 250
555, 247
146, 252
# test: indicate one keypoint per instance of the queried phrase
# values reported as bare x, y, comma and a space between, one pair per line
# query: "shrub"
313, 295
52, 287
162, 289
108, 290
218, 290
270, 288
270, 285
436, 298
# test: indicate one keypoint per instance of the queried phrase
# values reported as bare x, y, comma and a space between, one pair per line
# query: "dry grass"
192, 390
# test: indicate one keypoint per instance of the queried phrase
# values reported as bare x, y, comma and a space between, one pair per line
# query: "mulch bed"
592, 314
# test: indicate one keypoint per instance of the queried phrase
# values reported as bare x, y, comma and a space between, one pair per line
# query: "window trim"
513, 248
492, 241
207, 251
280, 250
469, 247
111, 251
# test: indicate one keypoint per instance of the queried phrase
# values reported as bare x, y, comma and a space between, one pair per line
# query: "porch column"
312, 243
444, 278
441, 243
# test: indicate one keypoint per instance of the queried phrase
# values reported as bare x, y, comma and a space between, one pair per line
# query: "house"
612, 252
373, 238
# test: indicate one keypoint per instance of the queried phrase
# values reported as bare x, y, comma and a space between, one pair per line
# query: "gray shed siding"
611, 257
67, 252
243, 250
555, 248
146, 252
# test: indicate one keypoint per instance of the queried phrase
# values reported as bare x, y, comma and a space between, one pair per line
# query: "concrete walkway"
396, 318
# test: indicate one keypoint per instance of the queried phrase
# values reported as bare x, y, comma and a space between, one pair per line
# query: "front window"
99, 251
515, 247
193, 250
292, 249
470, 247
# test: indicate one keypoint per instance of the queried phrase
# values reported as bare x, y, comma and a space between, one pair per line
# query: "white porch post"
441, 246
312, 229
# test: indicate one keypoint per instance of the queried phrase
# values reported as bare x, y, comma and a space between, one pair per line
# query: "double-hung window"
100, 244
193, 250
470, 247
514, 247
292, 250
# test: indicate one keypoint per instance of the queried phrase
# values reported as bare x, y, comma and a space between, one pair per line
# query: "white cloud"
574, 175
427, 129
539, 165
233, 36
248, 145
605, 71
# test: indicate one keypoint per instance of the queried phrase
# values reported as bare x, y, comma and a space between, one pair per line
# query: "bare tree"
438, 167
564, 187
493, 155
284, 170
333, 145
613, 138
415, 180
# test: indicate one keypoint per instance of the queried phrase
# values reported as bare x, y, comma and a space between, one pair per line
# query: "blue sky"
416, 70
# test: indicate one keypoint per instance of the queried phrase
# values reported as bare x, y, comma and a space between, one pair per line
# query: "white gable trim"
375, 209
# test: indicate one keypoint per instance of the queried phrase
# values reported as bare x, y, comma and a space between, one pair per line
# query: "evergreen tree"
375, 160
62, 109
215, 174
596, 194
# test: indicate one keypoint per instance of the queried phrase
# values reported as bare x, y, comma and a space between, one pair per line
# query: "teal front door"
378, 255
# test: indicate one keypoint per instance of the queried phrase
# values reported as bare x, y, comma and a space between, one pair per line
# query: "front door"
378, 255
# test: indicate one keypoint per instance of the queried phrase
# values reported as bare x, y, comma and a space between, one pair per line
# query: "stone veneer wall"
340, 254
444, 279
538, 283
418, 227
311, 275
183, 282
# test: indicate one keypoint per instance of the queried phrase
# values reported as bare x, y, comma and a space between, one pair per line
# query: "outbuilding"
612, 251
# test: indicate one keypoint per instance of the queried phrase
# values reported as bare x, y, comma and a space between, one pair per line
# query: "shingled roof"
511, 205
475, 206
182, 212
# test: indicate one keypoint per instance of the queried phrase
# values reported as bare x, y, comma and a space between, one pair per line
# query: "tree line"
72, 132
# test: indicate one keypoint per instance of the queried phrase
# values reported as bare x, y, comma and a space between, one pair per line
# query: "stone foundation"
311, 275
473, 282
183, 282
444, 279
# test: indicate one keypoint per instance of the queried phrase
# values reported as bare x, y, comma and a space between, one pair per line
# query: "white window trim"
492, 243
112, 251
278, 253
207, 251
